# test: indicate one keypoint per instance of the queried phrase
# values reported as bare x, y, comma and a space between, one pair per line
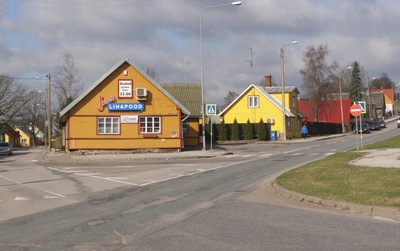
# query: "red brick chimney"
268, 80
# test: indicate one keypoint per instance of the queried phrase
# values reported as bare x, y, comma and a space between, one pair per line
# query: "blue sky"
164, 35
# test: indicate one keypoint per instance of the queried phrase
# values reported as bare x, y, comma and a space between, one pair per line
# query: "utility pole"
251, 63
48, 111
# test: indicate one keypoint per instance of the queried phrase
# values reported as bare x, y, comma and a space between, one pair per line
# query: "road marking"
43, 190
248, 155
266, 155
21, 198
327, 154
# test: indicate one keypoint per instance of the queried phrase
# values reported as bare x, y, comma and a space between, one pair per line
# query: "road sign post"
356, 110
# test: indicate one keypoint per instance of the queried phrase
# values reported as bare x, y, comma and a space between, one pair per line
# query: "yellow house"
264, 102
125, 109
26, 137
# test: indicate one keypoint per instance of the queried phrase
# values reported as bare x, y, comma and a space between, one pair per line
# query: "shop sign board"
125, 107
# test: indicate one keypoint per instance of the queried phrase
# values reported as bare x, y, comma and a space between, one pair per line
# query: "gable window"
252, 101
108, 125
150, 124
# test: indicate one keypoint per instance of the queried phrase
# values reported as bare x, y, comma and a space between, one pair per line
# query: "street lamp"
48, 109
237, 3
341, 99
283, 89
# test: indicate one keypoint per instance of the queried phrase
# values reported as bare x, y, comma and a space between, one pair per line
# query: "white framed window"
150, 124
108, 125
252, 101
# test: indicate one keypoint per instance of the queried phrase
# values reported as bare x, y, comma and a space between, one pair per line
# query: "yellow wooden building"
264, 102
125, 109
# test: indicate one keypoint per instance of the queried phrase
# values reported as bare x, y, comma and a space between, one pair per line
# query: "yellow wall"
81, 128
24, 138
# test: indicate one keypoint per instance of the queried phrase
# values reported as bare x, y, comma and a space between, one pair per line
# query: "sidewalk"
218, 149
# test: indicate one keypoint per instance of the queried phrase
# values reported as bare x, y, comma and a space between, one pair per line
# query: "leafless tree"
318, 75
12, 99
66, 81
33, 115
230, 98
384, 82
153, 74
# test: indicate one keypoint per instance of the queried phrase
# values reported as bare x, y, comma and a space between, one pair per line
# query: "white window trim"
146, 129
251, 101
113, 129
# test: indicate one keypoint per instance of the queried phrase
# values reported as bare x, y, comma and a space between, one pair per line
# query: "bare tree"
229, 99
66, 80
33, 115
384, 81
318, 75
153, 74
12, 99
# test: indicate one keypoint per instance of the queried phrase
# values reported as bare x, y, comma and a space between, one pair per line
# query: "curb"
381, 212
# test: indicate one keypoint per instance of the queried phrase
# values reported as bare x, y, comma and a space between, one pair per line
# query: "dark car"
374, 125
5, 148
382, 123
365, 128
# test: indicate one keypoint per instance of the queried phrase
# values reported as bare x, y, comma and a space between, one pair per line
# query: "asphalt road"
221, 203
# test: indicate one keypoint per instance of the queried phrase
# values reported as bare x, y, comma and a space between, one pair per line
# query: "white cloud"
164, 35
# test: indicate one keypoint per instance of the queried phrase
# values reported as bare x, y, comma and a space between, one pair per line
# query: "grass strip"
335, 179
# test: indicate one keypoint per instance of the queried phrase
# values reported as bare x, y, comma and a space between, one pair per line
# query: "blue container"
274, 135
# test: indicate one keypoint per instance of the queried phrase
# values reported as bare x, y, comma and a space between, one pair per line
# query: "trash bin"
274, 135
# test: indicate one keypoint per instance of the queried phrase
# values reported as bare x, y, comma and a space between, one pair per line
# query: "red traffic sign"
355, 110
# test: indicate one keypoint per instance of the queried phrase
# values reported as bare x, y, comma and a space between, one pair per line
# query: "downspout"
183, 142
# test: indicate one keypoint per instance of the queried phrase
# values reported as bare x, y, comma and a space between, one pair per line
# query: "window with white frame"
252, 101
150, 124
108, 125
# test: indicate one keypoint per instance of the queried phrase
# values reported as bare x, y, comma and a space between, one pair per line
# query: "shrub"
249, 131
262, 132
223, 132
235, 131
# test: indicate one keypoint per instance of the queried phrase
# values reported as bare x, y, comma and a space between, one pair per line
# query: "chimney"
268, 80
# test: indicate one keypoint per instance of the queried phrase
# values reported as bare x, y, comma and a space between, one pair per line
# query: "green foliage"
355, 83
223, 132
235, 131
262, 131
249, 131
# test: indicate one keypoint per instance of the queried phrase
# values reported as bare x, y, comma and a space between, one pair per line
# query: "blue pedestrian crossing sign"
362, 104
211, 109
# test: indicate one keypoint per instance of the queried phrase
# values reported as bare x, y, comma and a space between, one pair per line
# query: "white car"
5, 148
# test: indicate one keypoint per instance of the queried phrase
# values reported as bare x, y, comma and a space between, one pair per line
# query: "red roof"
329, 111
389, 92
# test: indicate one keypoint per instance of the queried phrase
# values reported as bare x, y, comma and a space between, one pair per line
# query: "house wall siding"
81, 126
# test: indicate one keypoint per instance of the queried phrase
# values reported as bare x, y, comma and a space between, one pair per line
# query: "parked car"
374, 125
398, 122
5, 148
382, 123
365, 128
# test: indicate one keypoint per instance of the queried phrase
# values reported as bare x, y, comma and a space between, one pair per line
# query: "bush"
235, 131
262, 132
223, 132
249, 131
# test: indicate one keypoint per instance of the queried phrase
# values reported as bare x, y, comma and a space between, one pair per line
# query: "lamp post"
237, 3
48, 106
341, 100
283, 89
